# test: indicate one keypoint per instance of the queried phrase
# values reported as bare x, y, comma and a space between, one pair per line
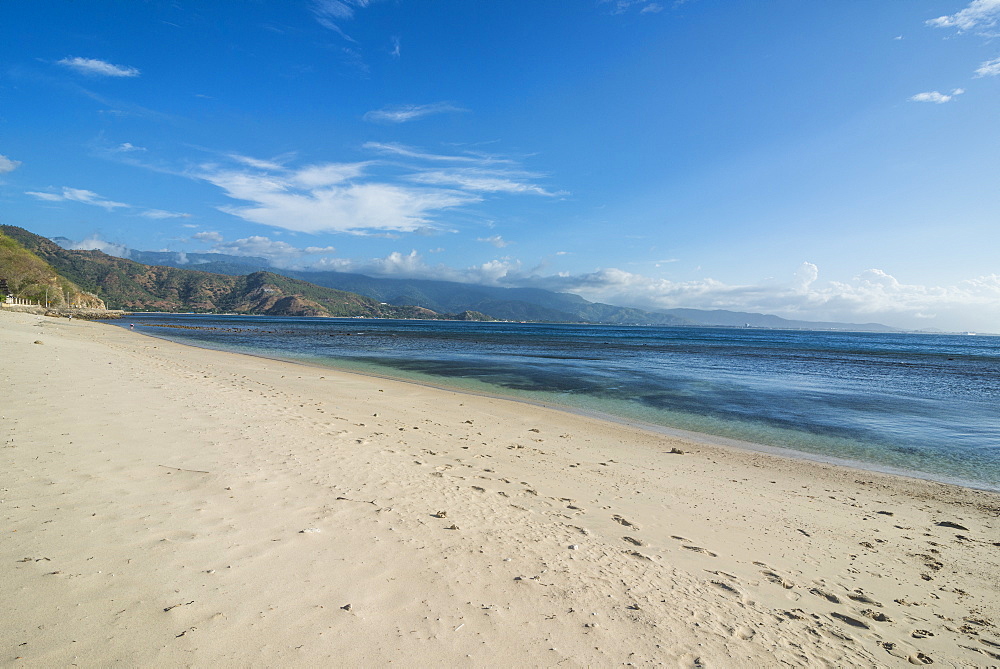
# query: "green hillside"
26, 276
125, 284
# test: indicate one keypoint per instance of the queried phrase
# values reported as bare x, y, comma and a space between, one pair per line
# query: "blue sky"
833, 160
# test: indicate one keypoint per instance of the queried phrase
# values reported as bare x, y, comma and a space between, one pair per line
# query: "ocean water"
926, 405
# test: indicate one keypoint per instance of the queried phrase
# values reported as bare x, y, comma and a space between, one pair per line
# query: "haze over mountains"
499, 302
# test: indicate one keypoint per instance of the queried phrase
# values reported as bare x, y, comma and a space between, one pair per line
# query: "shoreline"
668, 430
170, 504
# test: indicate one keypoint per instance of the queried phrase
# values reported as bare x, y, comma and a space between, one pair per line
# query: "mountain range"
204, 282
517, 304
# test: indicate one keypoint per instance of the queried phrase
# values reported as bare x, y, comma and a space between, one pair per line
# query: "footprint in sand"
725, 586
632, 540
699, 549
859, 596
877, 616
621, 521
777, 578
834, 599
853, 622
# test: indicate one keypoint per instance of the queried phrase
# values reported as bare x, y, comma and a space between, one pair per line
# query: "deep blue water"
925, 404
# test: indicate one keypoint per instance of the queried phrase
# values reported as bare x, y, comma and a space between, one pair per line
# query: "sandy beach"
171, 506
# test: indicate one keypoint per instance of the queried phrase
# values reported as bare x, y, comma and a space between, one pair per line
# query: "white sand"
165, 505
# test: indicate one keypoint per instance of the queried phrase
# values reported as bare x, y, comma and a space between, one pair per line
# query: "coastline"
196, 506
718, 439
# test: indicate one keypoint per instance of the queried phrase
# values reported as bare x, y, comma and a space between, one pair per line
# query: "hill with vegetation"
28, 277
132, 286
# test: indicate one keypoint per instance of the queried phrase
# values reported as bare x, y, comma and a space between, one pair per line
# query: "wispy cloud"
475, 173
936, 97
208, 237
395, 48
990, 68
8, 165
98, 68
483, 180
410, 152
95, 243
159, 214
257, 162
83, 196
495, 240
279, 253
644, 6
332, 13
404, 113
78, 195
328, 174
332, 197
128, 147
979, 13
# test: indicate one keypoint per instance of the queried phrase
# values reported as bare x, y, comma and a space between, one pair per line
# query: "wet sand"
167, 505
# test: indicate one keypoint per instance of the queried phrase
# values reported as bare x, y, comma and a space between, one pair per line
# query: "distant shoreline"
701, 437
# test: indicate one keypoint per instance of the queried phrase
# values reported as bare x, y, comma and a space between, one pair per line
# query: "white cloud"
348, 197
8, 165
978, 13
805, 276
78, 195
84, 196
481, 176
872, 295
328, 174
209, 237
409, 152
94, 67
935, 96
283, 201
495, 240
412, 265
278, 252
645, 6
331, 13
333, 9
128, 147
989, 68
395, 48
256, 162
50, 197
481, 180
160, 214
404, 113
95, 243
